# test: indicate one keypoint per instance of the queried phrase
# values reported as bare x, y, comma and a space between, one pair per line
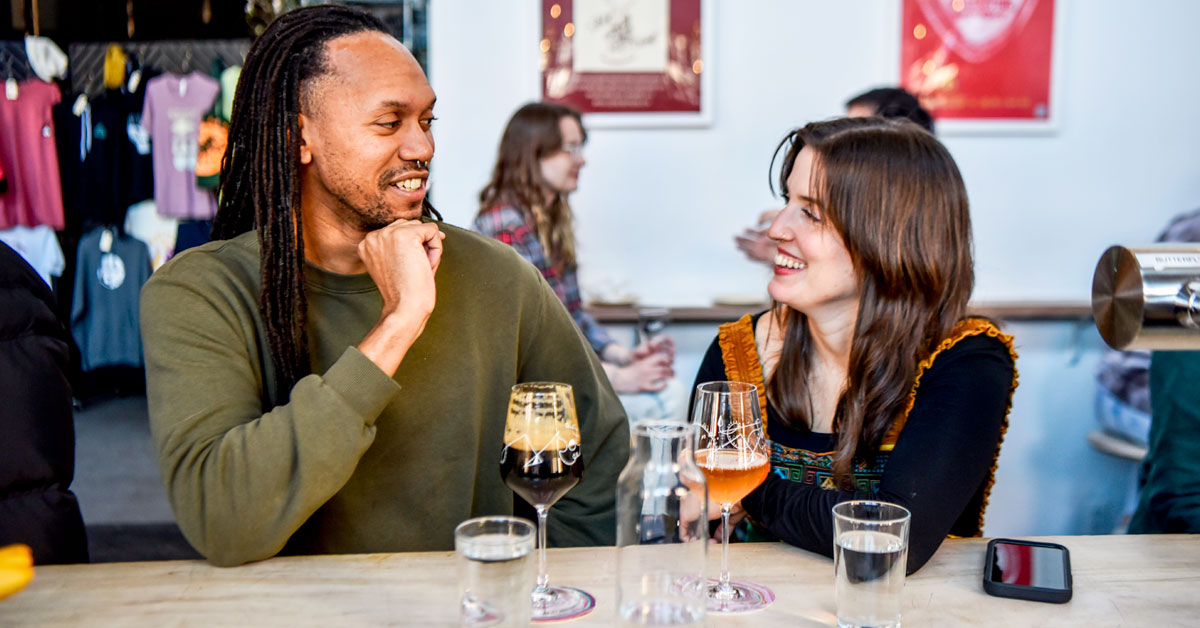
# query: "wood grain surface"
1119, 581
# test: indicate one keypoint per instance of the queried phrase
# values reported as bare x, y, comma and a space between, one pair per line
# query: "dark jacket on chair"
37, 432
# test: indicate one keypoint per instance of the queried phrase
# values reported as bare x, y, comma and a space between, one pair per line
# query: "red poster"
623, 57
979, 59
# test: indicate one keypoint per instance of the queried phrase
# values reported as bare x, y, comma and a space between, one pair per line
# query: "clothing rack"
176, 57
14, 63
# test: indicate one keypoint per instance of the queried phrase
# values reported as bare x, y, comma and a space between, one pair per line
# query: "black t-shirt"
91, 154
104, 158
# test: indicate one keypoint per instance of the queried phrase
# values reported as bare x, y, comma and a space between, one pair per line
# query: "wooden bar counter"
1119, 581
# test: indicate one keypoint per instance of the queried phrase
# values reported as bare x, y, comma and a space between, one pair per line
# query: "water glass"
652, 323
870, 556
495, 573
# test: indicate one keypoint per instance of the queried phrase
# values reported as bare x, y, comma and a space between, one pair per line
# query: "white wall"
657, 208
1048, 480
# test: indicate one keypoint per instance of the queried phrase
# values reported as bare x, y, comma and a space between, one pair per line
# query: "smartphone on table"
1028, 570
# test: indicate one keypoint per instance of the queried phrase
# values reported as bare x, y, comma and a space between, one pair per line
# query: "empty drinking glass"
495, 574
652, 323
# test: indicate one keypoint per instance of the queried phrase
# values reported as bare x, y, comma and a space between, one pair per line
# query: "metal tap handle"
1187, 311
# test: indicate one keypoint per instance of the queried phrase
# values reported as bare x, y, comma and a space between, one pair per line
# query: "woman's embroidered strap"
740, 354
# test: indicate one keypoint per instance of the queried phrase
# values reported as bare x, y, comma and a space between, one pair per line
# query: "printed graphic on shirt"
111, 272
138, 134
184, 143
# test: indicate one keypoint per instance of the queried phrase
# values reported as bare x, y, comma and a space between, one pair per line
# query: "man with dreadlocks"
331, 374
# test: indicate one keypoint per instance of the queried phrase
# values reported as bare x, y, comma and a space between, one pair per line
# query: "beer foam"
729, 459
541, 436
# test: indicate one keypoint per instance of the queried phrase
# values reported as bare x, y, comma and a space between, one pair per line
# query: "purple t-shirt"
174, 107
34, 195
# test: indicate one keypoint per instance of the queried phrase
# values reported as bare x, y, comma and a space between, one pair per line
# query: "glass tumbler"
495, 573
652, 323
870, 556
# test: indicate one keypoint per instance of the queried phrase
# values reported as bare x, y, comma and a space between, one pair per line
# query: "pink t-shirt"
174, 107
34, 195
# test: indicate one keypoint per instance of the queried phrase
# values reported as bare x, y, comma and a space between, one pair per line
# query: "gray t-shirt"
109, 274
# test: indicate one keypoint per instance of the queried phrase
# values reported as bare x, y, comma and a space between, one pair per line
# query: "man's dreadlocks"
260, 174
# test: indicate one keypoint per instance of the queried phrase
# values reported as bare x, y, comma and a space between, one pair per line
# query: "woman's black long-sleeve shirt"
940, 468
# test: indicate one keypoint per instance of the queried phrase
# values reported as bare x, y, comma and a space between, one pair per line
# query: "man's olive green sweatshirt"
356, 461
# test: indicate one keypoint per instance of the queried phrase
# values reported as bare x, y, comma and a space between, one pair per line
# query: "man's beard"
372, 212
370, 217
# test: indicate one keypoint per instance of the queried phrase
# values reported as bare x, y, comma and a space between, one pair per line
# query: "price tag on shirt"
10, 89
106, 240
135, 79
81, 103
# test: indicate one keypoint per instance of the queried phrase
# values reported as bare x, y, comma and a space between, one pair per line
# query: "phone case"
1024, 592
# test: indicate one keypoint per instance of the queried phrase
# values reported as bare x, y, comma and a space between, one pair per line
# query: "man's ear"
306, 155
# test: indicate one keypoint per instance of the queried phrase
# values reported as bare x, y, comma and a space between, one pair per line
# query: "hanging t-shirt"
39, 246
141, 165
229, 79
72, 134
104, 315
172, 112
29, 156
158, 232
94, 155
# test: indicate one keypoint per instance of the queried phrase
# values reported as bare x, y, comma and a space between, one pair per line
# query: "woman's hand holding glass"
715, 511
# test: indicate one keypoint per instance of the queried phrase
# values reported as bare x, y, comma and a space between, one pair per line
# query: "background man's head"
889, 102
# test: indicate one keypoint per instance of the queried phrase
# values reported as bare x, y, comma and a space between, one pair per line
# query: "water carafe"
662, 526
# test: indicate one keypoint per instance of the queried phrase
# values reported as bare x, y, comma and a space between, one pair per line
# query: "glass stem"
542, 579
725, 546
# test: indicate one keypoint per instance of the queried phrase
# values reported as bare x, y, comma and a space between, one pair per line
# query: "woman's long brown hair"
532, 134
895, 196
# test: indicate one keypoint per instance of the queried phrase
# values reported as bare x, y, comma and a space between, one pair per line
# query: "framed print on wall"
984, 66
629, 63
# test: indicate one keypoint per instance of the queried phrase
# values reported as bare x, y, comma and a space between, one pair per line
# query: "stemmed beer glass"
542, 460
732, 452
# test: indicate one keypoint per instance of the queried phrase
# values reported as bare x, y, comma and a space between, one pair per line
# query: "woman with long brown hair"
525, 205
877, 384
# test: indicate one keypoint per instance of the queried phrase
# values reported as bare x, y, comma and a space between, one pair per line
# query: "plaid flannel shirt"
508, 225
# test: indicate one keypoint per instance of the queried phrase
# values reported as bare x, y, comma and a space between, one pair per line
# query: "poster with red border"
982, 64
627, 63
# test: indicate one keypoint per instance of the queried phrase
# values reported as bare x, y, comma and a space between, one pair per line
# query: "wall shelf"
1001, 310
